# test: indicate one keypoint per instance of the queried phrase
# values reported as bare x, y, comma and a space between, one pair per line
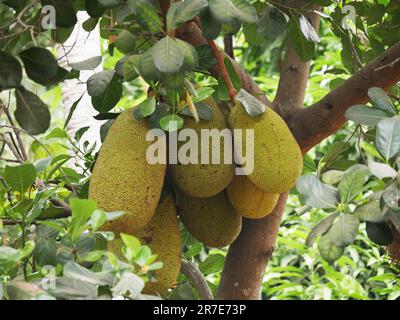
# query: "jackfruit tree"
300, 101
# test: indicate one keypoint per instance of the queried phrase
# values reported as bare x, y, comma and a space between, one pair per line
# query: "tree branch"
312, 125
222, 70
192, 272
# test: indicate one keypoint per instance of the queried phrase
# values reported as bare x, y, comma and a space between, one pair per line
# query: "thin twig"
228, 43
192, 272
16, 132
224, 72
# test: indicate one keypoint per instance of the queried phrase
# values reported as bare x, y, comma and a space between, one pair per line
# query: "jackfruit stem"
224, 72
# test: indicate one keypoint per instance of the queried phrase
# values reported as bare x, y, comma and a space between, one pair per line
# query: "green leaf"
146, 15
381, 99
210, 27
387, 139
11, 71
213, 264
110, 98
171, 123
304, 48
148, 106
131, 243
381, 170
130, 67
328, 250
39, 63
204, 111
65, 12
380, 233
370, 212
205, 56
247, 11
130, 285
74, 271
82, 209
97, 83
109, 3
125, 42
272, 23
364, 115
94, 8
227, 11
181, 12
190, 57
147, 68
87, 64
167, 55
20, 177
308, 30
72, 110
344, 230
32, 114
321, 228
316, 194
97, 219
353, 182
252, 105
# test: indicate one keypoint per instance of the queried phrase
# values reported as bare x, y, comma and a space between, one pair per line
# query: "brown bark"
249, 254
312, 125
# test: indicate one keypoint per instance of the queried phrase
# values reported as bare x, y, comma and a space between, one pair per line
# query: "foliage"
349, 188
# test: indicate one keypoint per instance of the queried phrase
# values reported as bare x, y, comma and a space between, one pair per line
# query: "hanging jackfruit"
248, 200
204, 180
163, 237
122, 179
277, 157
212, 221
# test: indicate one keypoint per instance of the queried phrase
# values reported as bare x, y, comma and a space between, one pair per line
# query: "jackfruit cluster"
211, 200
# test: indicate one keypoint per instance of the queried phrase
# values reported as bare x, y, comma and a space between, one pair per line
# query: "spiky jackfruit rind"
250, 201
123, 180
163, 237
278, 160
204, 180
213, 221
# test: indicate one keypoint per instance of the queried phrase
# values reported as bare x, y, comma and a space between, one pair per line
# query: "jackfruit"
163, 237
204, 180
122, 179
248, 200
212, 221
278, 160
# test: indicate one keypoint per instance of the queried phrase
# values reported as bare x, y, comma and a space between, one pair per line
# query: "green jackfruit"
163, 237
204, 180
277, 157
122, 179
212, 221
248, 200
